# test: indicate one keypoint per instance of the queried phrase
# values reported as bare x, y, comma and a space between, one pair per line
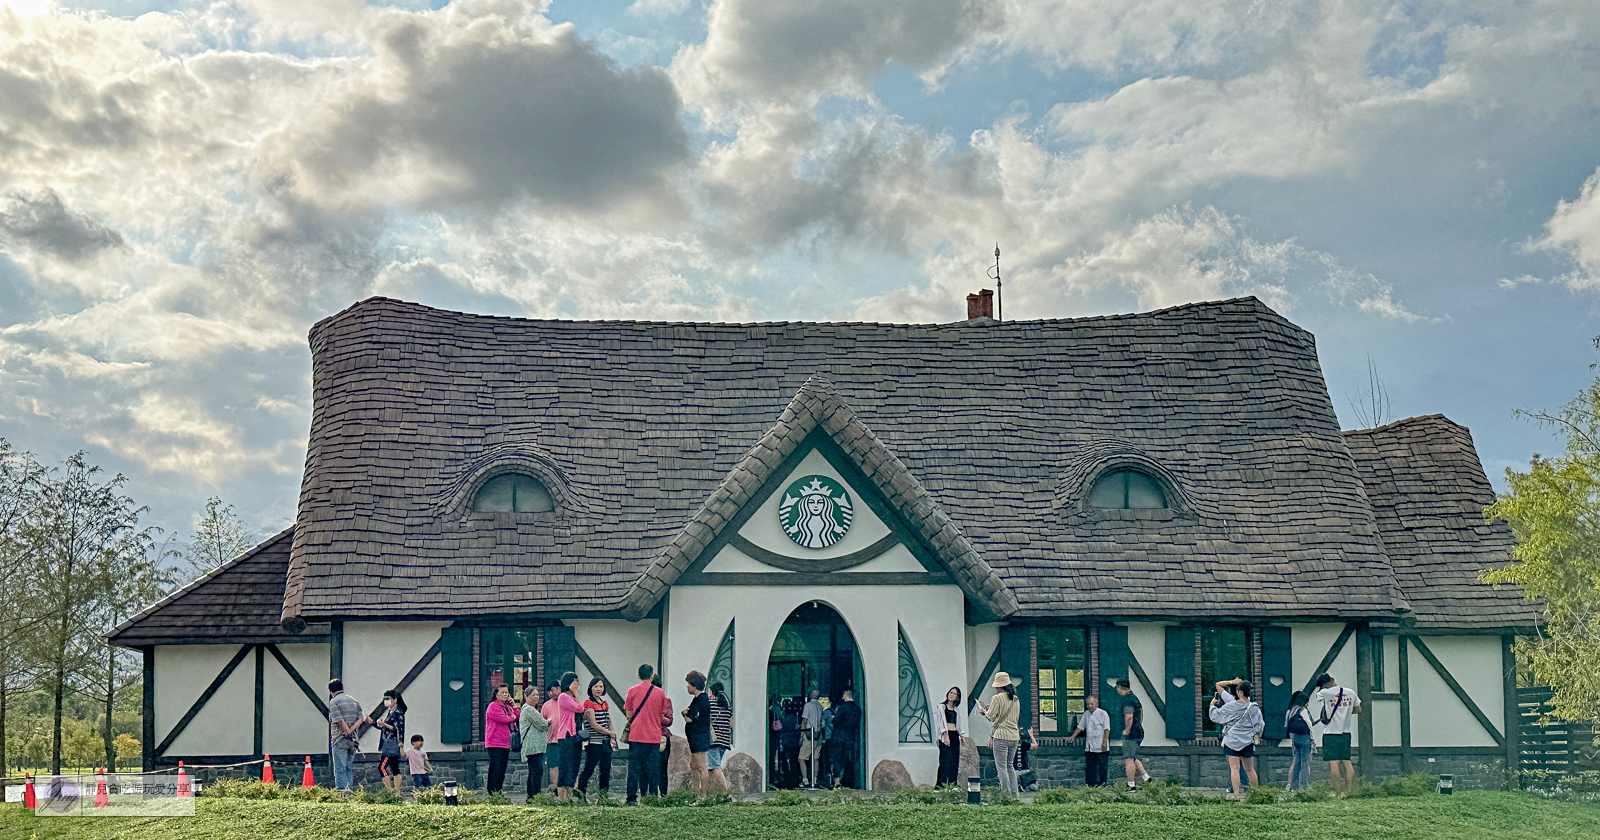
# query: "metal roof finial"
994, 274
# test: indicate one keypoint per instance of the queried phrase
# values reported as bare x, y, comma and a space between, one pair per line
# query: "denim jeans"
342, 756
1005, 765
1300, 771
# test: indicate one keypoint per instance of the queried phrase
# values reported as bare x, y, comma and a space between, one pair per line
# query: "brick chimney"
980, 305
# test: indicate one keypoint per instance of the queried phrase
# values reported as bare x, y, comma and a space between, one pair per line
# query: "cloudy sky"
185, 187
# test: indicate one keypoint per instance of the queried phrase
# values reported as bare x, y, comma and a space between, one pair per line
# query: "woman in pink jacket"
498, 721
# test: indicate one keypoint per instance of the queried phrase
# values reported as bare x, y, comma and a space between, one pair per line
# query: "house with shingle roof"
893, 509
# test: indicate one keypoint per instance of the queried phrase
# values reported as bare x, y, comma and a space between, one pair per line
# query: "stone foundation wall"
1207, 767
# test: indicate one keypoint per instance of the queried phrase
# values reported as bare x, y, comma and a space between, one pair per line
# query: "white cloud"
1574, 231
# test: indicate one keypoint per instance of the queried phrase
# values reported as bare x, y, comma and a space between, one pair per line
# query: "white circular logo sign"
815, 512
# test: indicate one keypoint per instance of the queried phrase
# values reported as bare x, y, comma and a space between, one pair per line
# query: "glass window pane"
1144, 492
1224, 655
494, 496
530, 496
1110, 492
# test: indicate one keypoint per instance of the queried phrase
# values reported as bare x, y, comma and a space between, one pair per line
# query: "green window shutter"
1016, 659
1180, 684
1277, 672
560, 653
455, 685
1113, 667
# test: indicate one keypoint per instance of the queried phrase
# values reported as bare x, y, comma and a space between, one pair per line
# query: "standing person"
664, 758
721, 733
417, 763
552, 763
1095, 727
498, 719
1241, 724
1132, 733
1298, 723
643, 706
391, 739
532, 727
697, 731
810, 740
1337, 705
950, 739
602, 739
344, 727
1002, 713
846, 742
564, 740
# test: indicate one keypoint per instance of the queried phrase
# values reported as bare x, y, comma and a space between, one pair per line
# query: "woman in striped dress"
602, 738
721, 733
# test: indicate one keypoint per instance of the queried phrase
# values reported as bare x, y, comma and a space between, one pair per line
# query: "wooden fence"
1549, 745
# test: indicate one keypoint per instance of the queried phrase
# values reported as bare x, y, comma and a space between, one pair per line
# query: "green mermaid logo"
815, 512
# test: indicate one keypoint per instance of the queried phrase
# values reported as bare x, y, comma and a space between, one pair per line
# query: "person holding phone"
1242, 724
1004, 736
498, 719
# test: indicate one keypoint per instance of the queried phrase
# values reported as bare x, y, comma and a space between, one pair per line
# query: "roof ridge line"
1420, 418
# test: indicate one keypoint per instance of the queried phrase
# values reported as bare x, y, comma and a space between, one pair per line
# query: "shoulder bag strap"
642, 701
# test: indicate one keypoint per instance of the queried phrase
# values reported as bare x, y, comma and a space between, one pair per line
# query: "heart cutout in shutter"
456, 685
1275, 680
1179, 682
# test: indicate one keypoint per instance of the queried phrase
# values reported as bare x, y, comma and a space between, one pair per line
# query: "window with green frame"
1224, 655
1063, 668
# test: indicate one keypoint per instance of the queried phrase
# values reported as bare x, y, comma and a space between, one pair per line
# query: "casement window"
476, 661
1063, 678
1198, 657
1127, 489
513, 493
1224, 655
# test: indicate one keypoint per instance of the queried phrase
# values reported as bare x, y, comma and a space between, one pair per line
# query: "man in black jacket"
845, 746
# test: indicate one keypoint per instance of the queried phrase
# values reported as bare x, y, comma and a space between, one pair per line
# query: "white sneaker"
1132, 786
1147, 778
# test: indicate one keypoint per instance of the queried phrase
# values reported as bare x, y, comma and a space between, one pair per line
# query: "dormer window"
1127, 489
513, 493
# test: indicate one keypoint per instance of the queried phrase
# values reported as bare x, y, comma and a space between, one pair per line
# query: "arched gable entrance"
814, 651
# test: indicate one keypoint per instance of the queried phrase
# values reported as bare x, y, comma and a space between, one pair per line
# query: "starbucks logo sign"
815, 512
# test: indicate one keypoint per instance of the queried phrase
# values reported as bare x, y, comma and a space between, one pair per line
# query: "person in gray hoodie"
1241, 724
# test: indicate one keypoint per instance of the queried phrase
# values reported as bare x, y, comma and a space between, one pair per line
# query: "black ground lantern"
974, 790
450, 796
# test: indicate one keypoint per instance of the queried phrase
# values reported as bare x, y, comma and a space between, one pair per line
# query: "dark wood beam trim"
818, 579
205, 697
1391, 696
1329, 657
988, 668
294, 674
1149, 687
410, 677
588, 662
336, 650
798, 564
1461, 693
258, 736
1364, 665
1513, 715
1404, 645
148, 726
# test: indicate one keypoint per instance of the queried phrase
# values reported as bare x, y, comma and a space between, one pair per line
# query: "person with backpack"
1241, 724
721, 733
644, 708
1338, 703
1298, 723
533, 726
1132, 717
498, 721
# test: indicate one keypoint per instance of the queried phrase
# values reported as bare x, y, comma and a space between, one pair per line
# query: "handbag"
516, 737
580, 724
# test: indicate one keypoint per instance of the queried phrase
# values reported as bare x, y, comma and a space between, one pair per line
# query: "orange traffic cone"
101, 799
30, 800
183, 783
266, 772
306, 778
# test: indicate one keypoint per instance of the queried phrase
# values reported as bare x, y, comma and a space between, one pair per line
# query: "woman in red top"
498, 721
602, 739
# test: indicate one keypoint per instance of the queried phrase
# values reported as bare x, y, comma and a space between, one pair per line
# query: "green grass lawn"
1467, 816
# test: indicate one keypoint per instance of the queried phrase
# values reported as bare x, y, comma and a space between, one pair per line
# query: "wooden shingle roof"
634, 425
1428, 490
239, 602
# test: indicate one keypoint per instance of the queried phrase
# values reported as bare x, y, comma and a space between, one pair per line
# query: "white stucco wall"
377, 655
1386, 713
290, 725
981, 643
1438, 717
618, 648
1310, 643
1148, 643
763, 529
226, 725
696, 617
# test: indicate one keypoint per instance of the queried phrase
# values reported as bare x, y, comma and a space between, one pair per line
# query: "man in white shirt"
1095, 727
1337, 704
